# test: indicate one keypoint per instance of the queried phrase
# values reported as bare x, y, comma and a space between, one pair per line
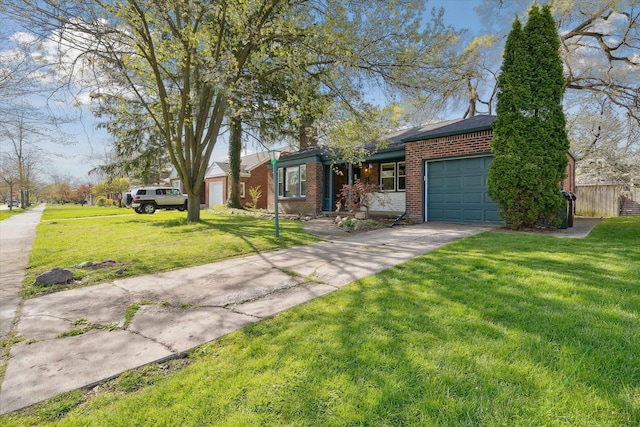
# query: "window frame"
395, 178
383, 178
398, 176
284, 192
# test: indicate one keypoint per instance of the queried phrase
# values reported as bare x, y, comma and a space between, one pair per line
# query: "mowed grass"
68, 210
145, 244
495, 330
4, 214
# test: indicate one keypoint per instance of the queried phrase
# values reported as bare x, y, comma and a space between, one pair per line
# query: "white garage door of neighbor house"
215, 194
457, 191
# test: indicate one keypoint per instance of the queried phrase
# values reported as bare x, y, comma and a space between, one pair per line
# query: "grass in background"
497, 329
68, 210
146, 244
4, 214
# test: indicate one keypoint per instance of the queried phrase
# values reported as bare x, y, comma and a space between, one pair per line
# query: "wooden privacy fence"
607, 200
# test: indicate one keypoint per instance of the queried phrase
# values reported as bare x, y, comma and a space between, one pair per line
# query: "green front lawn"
4, 214
70, 210
8, 213
145, 244
497, 329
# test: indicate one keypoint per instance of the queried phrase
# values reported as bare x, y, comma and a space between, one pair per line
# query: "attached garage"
456, 191
447, 173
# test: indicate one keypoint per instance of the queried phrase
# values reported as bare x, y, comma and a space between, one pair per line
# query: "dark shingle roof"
397, 139
307, 152
472, 124
394, 141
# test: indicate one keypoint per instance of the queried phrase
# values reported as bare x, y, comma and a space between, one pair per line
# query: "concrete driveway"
188, 307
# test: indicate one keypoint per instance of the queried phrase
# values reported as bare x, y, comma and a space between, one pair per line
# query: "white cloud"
22, 38
11, 56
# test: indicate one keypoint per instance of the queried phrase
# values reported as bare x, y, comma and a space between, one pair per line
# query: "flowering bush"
358, 195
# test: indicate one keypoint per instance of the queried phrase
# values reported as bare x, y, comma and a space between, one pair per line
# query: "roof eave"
445, 134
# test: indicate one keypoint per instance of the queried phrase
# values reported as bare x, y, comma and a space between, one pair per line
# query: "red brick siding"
259, 177
314, 188
370, 175
309, 205
569, 183
451, 146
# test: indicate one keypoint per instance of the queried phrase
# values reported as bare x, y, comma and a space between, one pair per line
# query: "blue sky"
86, 142
460, 13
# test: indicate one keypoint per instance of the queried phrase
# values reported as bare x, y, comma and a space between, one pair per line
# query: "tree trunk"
193, 207
235, 149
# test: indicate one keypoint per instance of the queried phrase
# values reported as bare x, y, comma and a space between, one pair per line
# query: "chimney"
308, 134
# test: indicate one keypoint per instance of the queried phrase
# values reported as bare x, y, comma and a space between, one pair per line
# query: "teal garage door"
457, 191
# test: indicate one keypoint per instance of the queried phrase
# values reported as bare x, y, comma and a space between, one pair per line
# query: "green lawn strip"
147, 244
497, 329
73, 211
4, 214
9, 213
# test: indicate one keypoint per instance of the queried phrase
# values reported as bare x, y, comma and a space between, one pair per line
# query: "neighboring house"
436, 172
254, 172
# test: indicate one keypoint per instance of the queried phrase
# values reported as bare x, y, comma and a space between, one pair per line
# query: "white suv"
148, 199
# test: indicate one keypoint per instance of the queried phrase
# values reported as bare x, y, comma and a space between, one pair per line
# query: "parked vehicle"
148, 199
13, 204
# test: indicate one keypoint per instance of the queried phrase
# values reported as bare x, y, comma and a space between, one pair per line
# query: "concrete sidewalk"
189, 307
192, 306
17, 234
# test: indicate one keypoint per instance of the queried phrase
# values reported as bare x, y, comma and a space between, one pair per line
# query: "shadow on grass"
245, 227
492, 331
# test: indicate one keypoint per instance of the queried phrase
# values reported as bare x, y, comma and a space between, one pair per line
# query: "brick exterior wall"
314, 187
259, 177
569, 183
370, 175
450, 146
311, 204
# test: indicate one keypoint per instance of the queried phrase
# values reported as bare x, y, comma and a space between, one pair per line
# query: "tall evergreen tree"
530, 142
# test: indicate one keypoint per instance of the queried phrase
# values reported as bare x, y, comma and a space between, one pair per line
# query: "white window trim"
242, 189
398, 177
282, 181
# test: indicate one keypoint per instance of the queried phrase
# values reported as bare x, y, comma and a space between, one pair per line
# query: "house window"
281, 182
242, 194
388, 177
393, 176
292, 182
402, 178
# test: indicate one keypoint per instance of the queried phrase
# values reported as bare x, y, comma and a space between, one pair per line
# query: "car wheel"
149, 208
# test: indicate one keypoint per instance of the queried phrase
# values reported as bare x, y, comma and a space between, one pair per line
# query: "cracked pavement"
188, 307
